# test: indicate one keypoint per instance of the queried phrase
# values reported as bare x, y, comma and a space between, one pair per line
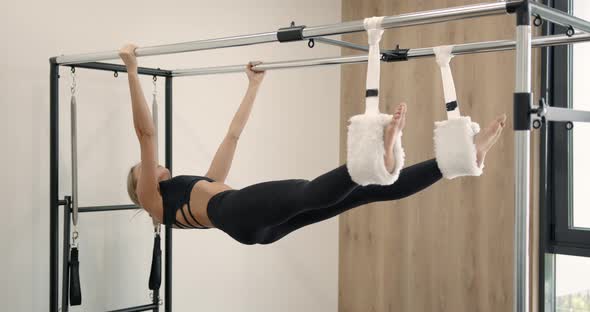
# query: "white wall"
292, 133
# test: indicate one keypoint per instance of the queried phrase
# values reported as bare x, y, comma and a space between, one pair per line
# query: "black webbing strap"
156, 270
451, 106
75, 289
372, 92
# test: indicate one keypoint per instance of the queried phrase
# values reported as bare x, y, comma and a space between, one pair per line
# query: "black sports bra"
176, 192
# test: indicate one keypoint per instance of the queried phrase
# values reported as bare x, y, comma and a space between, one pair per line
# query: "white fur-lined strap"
444, 54
365, 150
455, 151
374, 34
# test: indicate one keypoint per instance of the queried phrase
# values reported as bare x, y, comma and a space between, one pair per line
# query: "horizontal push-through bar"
466, 48
121, 68
402, 20
343, 44
108, 208
146, 307
559, 17
566, 114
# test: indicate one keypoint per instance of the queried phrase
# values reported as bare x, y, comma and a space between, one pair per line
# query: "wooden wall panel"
448, 248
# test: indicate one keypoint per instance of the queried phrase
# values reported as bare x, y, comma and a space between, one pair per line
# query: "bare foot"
397, 124
486, 138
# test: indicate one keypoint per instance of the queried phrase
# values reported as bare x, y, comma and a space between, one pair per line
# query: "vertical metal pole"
549, 303
53, 185
65, 280
168, 152
156, 292
155, 119
522, 126
156, 296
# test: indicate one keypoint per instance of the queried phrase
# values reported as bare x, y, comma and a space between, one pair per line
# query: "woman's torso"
200, 194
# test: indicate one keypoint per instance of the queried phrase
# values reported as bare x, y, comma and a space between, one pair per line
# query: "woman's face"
162, 173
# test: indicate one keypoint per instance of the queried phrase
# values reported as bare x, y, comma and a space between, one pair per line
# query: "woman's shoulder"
190, 178
181, 182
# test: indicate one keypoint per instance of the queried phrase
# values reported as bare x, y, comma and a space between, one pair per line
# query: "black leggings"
265, 212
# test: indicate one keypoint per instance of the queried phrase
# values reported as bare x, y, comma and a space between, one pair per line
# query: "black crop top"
175, 193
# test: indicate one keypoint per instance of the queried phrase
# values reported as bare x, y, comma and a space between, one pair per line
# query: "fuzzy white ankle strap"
443, 59
374, 33
366, 149
456, 153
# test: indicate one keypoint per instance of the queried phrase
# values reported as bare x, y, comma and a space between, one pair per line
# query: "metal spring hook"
75, 236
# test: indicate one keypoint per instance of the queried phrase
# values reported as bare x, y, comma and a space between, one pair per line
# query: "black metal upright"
53, 185
65, 266
544, 196
168, 152
55, 202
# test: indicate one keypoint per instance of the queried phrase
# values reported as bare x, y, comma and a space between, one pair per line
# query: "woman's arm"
223, 158
147, 189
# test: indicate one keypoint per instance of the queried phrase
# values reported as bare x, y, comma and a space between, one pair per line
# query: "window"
565, 174
572, 288
580, 217
567, 165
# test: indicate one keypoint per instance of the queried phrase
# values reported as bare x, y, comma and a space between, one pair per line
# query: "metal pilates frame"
68, 201
524, 110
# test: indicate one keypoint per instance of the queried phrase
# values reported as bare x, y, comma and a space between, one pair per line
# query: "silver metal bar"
343, 44
549, 283
413, 19
270, 66
466, 48
503, 45
212, 70
155, 121
566, 114
559, 17
410, 19
145, 307
172, 48
522, 177
108, 208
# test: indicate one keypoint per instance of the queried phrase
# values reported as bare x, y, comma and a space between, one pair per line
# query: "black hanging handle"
156, 270
75, 290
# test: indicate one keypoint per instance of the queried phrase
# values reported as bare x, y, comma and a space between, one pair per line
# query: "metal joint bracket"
522, 110
538, 113
540, 110
291, 33
511, 7
397, 55
67, 202
523, 13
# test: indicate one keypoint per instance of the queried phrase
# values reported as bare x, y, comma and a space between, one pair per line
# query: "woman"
264, 212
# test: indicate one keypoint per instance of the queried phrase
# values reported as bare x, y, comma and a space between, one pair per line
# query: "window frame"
562, 237
556, 232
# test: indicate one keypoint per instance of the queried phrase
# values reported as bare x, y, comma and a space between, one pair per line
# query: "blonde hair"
132, 186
